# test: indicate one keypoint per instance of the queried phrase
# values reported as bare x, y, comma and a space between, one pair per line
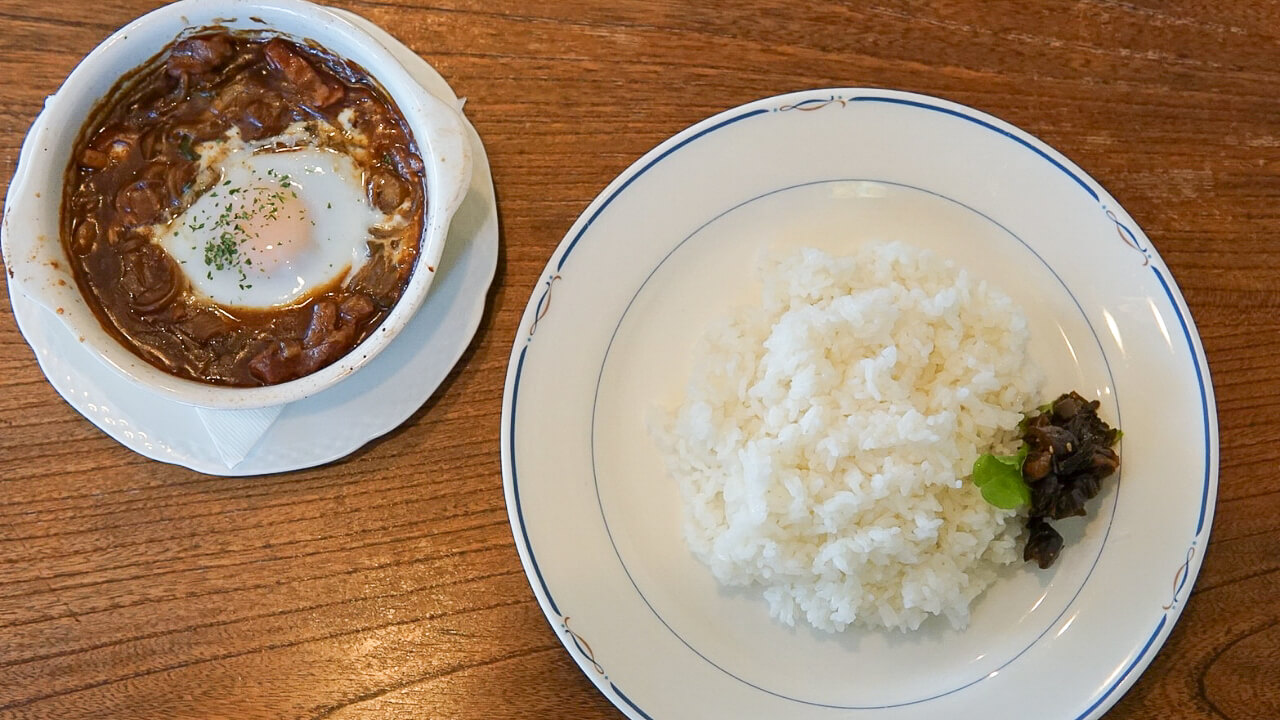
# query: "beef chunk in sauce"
301, 76
197, 55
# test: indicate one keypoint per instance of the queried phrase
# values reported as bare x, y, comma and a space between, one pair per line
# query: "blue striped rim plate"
670, 244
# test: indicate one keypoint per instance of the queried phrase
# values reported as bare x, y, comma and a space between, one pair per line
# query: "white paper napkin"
235, 432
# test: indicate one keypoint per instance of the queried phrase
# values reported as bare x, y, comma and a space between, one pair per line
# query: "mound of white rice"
824, 445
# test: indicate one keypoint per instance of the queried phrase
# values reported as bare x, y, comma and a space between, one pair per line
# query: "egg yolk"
276, 227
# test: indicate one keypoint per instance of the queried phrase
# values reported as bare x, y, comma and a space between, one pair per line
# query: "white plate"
672, 243
331, 424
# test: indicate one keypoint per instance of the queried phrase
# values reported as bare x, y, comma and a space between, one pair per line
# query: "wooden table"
387, 585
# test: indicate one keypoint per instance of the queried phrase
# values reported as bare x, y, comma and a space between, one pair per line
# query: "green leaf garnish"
1000, 479
1026, 418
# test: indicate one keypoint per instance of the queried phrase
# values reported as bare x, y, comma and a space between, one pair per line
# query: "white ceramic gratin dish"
33, 251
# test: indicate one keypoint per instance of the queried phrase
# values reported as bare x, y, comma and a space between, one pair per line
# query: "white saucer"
334, 423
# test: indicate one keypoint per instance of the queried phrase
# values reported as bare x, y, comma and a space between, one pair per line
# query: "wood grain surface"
387, 585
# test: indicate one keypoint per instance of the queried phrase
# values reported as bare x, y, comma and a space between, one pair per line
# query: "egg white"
274, 223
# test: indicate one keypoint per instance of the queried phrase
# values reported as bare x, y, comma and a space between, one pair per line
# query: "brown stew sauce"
134, 168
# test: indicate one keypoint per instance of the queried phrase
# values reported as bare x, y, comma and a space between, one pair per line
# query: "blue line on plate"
642, 171
515, 486
627, 700
1123, 675
1204, 401
956, 113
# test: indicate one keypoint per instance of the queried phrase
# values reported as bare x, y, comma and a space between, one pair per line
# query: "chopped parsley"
185, 149
222, 252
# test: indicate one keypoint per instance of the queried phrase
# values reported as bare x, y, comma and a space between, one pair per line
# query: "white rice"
824, 445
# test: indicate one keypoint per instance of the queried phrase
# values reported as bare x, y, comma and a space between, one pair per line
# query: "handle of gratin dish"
449, 148
31, 242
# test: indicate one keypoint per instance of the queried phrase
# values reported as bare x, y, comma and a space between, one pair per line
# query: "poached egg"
273, 224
